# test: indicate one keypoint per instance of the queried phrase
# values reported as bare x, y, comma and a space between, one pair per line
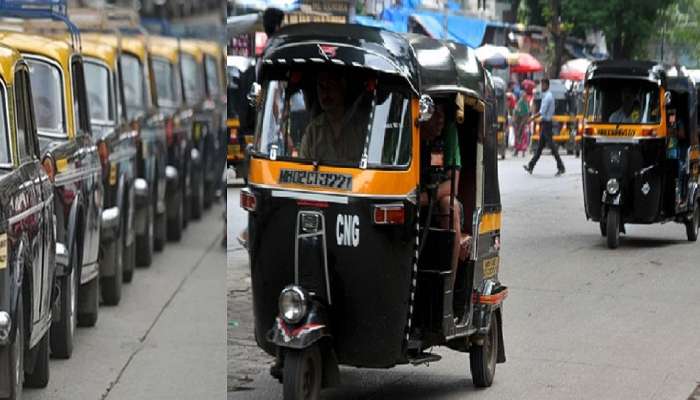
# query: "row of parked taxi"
110, 142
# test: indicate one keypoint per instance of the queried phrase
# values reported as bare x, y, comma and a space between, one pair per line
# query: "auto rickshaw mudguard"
312, 328
611, 200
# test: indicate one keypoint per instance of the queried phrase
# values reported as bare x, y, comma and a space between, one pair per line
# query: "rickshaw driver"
334, 135
628, 111
431, 130
674, 150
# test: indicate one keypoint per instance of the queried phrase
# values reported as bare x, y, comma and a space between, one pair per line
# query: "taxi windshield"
212, 76
134, 90
615, 101
99, 92
47, 95
193, 79
340, 118
167, 86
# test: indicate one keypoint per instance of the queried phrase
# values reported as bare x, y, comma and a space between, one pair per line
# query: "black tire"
691, 227
144, 243
111, 286
129, 262
303, 374
612, 227
175, 224
198, 198
63, 331
39, 377
483, 358
161, 232
89, 298
603, 228
14, 356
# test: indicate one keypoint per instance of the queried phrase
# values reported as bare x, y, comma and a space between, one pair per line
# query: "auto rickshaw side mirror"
667, 98
426, 108
253, 94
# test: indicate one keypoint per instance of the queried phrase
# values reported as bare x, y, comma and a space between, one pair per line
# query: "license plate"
491, 267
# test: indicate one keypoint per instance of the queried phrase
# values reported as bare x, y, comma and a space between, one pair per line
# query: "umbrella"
526, 64
575, 69
494, 56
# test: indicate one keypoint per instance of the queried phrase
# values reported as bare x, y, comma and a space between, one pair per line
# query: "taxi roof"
8, 58
56, 49
163, 46
100, 51
135, 45
193, 48
214, 49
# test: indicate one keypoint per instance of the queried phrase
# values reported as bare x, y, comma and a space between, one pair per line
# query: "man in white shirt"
546, 112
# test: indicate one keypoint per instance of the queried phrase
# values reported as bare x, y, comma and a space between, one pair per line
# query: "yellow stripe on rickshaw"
233, 123
490, 223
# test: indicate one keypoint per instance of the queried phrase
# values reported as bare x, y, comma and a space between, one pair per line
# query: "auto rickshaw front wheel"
483, 357
691, 226
303, 374
613, 227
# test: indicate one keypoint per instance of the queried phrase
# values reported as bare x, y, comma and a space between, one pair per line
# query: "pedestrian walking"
520, 119
546, 113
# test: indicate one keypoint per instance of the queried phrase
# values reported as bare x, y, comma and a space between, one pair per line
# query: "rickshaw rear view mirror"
667, 98
253, 94
426, 108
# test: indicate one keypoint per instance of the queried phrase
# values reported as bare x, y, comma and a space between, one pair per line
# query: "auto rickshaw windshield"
629, 101
47, 95
193, 79
99, 93
4, 139
213, 78
167, 85
341, 119
134, 90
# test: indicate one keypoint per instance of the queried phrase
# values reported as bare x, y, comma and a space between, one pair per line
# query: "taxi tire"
691, 227
90, 294
129, 262
14, 355
39, 377
144, 244
161, 232
303, 374
198, 198
612, 227
174, 225
111, 286
483, 358
62, 332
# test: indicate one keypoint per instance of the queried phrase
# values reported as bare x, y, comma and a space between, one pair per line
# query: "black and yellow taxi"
109, 125
59, 93
27, 235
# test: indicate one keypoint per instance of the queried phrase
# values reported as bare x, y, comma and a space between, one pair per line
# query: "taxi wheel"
303, 374
691, 226
13, 358
111, 286
63, 330
613, 227
482, 358
144, 243
129, 261
89, 303
161, 232
39, 377
198, 198
175, 223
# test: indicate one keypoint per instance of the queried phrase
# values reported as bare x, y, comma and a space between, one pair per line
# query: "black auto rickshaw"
349, 264
499, 86
577, 101
640, 147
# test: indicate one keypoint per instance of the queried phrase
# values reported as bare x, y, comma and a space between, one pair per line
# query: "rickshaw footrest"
424, 358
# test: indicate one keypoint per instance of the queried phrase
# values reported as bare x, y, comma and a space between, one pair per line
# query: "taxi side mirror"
253, 94
426, 108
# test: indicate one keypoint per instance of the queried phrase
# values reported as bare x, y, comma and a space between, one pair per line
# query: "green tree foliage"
682, 22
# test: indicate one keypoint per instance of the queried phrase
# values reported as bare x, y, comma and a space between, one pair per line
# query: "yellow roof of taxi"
132, 44
57, 49
8, 59
193, 48
162, 46
100, 51
211, 48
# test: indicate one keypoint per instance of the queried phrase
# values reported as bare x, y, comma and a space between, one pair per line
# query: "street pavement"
166, 339
581, 321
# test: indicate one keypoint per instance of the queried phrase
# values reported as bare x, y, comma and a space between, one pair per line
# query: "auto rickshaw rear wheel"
691, 226
483, 357
613, 227
303, 373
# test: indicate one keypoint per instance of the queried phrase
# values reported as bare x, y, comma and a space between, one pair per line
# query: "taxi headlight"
613, 186
292, 304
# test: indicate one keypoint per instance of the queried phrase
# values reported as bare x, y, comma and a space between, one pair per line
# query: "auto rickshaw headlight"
613, 186
292, 304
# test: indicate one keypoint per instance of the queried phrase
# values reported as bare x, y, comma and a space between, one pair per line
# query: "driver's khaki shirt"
320, 144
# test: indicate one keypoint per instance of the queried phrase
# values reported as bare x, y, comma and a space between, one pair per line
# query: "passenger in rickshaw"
438, 131
335, 134
674, 150
628, 111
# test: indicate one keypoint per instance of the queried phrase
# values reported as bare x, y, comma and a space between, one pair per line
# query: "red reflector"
389, 214
311, 203
248, 201
648, 132
588, 131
